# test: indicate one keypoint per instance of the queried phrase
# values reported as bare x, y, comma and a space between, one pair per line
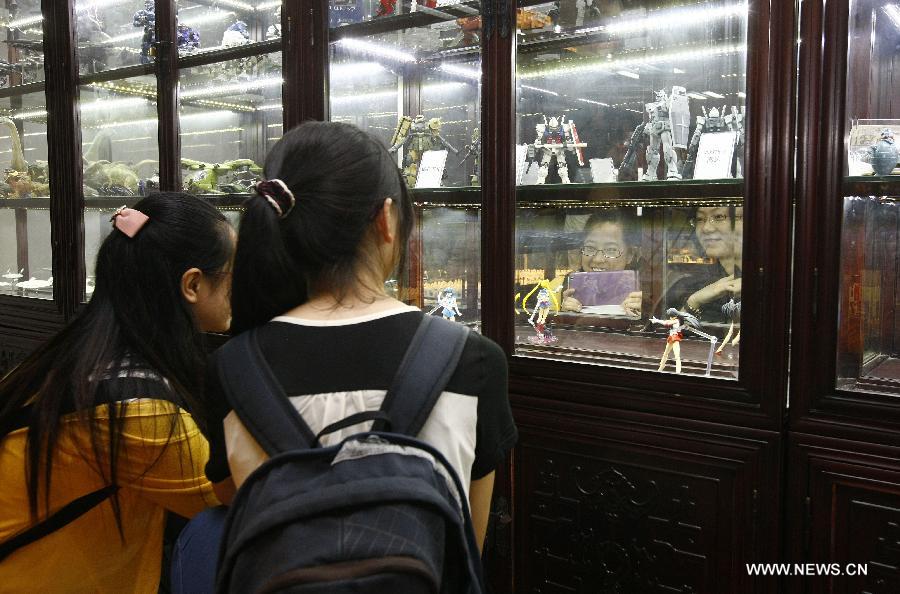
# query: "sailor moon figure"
447, 301
545, 301
678, 323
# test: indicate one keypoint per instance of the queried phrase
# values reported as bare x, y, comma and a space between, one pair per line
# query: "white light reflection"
365, 47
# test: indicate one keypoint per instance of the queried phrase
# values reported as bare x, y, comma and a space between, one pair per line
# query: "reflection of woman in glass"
611, 242
720, 232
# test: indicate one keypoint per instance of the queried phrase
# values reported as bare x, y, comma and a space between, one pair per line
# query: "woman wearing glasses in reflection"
611, 242
720, 232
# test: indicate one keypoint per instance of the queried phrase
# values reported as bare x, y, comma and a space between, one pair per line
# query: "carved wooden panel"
851, 492
619, 508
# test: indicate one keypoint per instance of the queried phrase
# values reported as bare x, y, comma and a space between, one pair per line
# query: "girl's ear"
386, 222
190, 285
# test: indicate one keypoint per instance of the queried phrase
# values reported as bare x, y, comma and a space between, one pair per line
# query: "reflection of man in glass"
611, 242
720, 233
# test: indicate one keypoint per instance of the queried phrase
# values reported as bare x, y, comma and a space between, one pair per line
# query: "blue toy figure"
446, 302
188, 39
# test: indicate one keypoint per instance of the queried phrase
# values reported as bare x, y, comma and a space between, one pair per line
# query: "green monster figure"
206, 178
417, 136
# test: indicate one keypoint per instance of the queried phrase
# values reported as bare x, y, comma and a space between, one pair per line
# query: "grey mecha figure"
660, 129
716, 121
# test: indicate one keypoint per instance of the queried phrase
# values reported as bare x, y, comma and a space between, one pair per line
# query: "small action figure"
205, 179
713, 122
732, 311
678, 323
544, 301
417, 136
446, 301
473, 149
554, 138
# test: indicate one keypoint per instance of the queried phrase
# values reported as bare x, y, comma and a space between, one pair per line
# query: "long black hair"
340, 177
136, 313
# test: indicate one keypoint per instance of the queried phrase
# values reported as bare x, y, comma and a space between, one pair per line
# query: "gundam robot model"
416, 136
668, 125
715, 121
554, 138
188, 39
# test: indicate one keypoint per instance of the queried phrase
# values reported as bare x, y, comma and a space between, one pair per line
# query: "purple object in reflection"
603, 288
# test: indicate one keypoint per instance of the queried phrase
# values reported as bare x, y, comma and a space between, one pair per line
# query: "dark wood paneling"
64, 154
498, 173
844, 507
305, 67
633, 504
169, 129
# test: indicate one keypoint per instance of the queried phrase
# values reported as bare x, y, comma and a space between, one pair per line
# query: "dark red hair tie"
278, 195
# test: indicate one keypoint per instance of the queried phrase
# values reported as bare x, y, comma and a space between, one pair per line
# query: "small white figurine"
554, 138
447, 301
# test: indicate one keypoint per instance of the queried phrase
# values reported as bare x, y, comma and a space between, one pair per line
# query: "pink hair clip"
129, 221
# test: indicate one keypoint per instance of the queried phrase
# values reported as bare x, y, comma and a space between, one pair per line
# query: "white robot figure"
669, 124
554, 138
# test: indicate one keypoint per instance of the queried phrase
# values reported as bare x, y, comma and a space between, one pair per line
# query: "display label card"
431, 169
603, 288
715, 155
602, 170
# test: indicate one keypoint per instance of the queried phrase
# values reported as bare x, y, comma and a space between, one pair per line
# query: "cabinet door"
846, 328
410, 75
26, 267
843, 514
631, 134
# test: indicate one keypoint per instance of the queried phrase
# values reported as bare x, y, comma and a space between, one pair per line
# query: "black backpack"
379, 512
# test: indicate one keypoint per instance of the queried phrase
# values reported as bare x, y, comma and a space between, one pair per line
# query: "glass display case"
410, 74
868, 344
25, 244
629, 159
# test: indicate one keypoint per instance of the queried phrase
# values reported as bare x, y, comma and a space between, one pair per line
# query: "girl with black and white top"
315, 247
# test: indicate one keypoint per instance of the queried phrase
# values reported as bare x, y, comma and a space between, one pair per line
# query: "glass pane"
417, 90
208, 26
596, 284
450, 262
119, 138
872, 111
121, 155
869, 328
654, 90
21, 48
25, 254
230, 115
114, 33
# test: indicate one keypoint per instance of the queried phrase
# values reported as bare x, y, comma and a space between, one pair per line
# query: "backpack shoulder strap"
426, 368
257, 397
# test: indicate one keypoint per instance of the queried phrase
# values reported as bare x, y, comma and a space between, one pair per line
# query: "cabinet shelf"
421, 18
681, 193
867, 185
